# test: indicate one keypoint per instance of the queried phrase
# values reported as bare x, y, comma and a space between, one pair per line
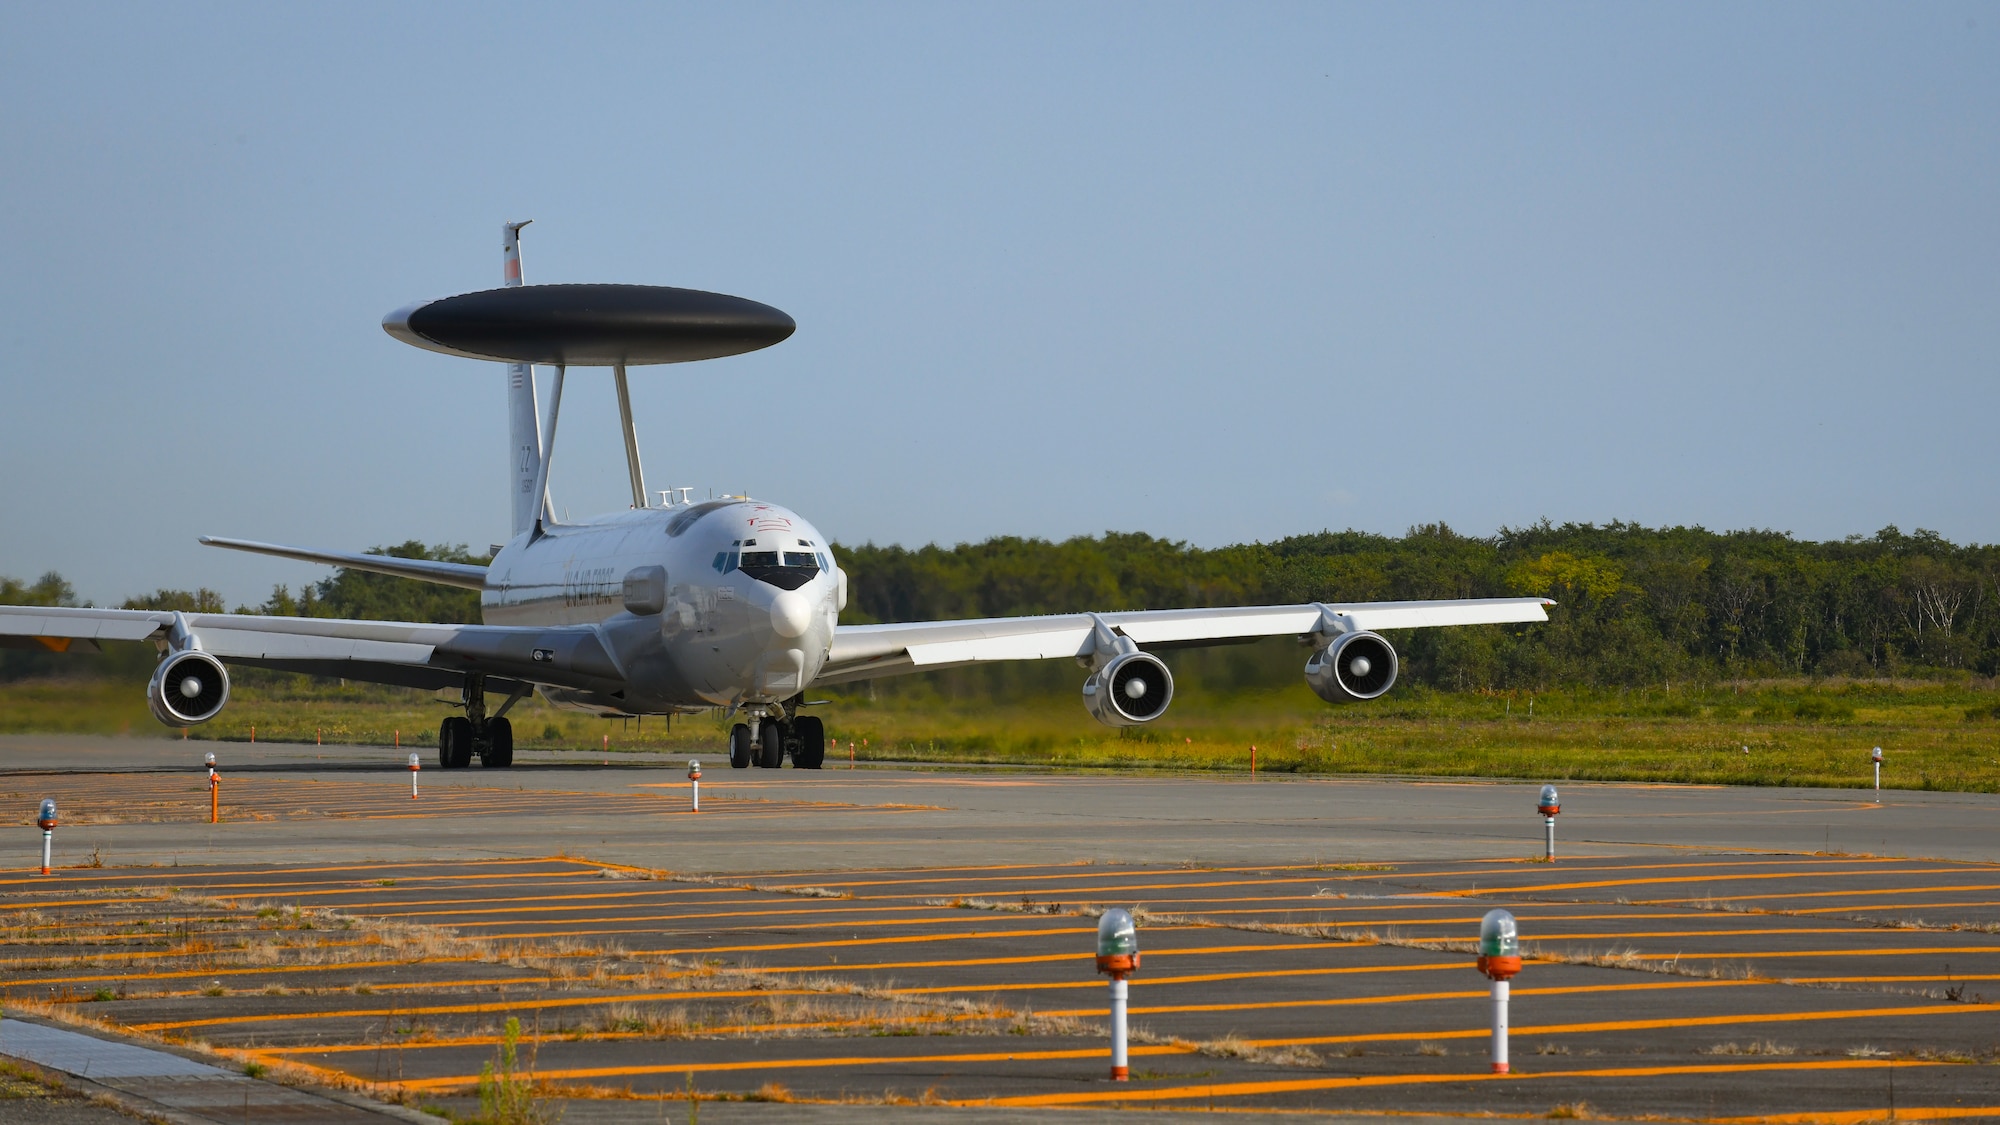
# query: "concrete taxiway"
830, 945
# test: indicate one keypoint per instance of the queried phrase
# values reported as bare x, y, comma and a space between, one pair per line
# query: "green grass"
1937, 735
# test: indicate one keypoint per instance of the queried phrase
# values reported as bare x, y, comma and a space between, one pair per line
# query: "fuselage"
748, 601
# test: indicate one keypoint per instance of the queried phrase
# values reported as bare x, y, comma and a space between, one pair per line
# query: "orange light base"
1499, 968
1119, 966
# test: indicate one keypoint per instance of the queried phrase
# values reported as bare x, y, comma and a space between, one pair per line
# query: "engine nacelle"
1353, 667
1130, 689
188, 687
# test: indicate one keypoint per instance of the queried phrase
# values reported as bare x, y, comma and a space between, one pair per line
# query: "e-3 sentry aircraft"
678, 606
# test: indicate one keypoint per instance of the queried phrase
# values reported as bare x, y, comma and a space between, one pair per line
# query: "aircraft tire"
499, 745
455, 743
772, 745
811, 753
739, 747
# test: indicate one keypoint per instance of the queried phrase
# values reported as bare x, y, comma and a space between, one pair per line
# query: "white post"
1119, 1071
48, 840
1499, 1027
1551, 848
697, 793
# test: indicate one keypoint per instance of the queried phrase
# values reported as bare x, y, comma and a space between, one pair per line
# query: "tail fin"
524, 411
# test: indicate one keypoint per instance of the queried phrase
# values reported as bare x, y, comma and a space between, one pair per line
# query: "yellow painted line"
238, 893
763, 1029
836, 966
172, 874
1089, 874
416, 985
519, 1004
1907, 951
939, 870
1939, 1009
44, 904
1397, 871
572, 890
902, 939
1714, 933
1925, 977
177, 951
1856, 893
1403, 998
1980, 904
814, 906
849, 924
261, 970
1864, 1116
1293, 1086
543, 1075
1586, 885
1198, 978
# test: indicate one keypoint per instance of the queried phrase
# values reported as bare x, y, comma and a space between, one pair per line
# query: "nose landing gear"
772, 740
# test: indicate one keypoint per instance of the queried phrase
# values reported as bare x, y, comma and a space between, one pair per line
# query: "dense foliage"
1636, 605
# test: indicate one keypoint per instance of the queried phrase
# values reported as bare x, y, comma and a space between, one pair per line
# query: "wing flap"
253, 644
60, 623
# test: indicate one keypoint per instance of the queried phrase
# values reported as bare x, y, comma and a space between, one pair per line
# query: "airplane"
678, 606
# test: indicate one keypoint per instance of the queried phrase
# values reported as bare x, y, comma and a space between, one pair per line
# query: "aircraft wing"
411, 654
863, 652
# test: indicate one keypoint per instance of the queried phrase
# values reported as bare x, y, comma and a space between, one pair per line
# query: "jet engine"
1353, 667
188, 687
1130, 689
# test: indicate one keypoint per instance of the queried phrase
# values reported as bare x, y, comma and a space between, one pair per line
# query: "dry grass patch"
1754, 1047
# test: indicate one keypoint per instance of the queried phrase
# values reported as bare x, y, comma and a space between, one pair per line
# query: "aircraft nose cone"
791, 614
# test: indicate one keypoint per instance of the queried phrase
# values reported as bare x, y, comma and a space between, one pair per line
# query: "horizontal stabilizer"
464, 575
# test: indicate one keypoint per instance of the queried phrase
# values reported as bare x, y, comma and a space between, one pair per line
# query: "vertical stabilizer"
524, 414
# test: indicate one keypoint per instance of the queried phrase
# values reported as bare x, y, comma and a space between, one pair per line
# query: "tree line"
1636, 605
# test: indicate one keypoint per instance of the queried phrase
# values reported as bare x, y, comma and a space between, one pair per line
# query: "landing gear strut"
462, 736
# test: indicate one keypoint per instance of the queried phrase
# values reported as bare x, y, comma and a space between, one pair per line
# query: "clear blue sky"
1216, 272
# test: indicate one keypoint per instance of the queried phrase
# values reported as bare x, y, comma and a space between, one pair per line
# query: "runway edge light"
1118, 958
694, 783
415, 765
1549, 804
1876, 757
1499, 959
214, 790
45, 820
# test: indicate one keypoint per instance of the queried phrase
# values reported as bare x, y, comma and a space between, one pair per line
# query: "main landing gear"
771, 740
462, 736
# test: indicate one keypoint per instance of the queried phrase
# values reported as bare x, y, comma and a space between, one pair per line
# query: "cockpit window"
798, 567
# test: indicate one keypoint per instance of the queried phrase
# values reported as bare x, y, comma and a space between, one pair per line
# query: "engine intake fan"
1131, 689
1354, 667
187, 688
